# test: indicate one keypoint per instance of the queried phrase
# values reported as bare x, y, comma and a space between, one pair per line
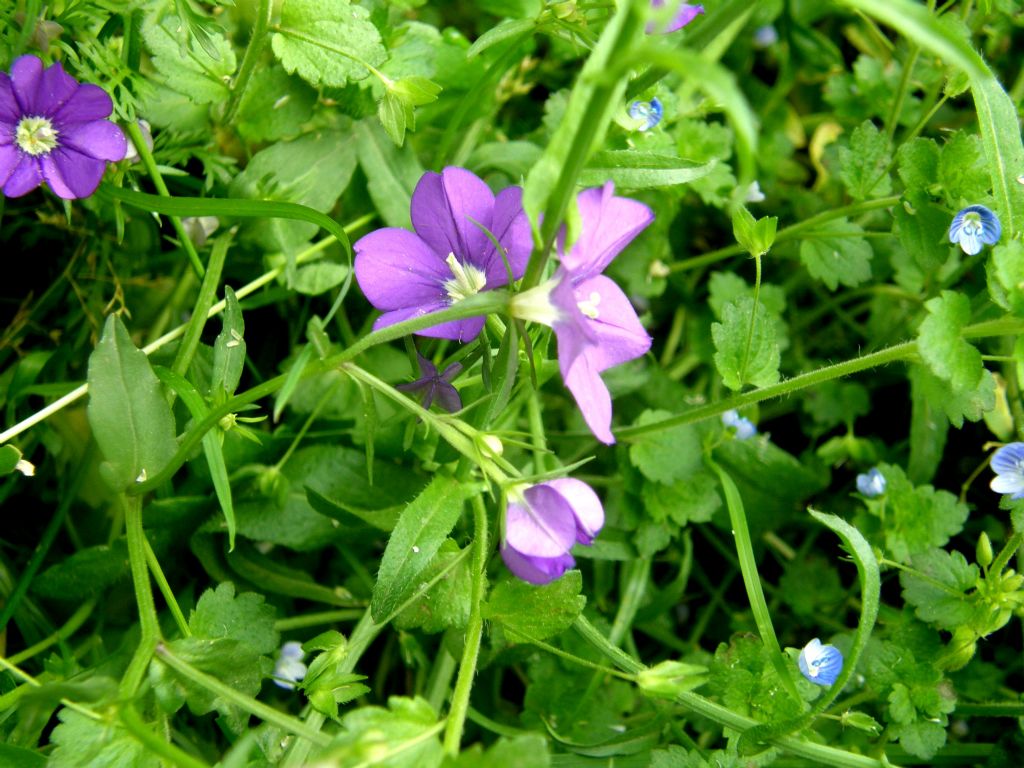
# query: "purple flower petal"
607, 225
10, 113
684, 14
99, 138
396, 269
26, 176
617, 330
71, 174
9, 157
448, 397
89, 102
456, 330
585, 504
512, 229
536, 570
40, 92
592, 396
26, 72
542, 526
443, 205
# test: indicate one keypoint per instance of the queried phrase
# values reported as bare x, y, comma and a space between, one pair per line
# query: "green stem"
1003, 558
135, 133
264, 11
165, 590
315, 619
893, 354
474, 633
70, 627
698, 704
752, 579
148, 621
240, 700
173, 754
200, 313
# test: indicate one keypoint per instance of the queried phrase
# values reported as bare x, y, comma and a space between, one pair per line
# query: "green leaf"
632, 170
526, 751
85, 574
1007, 267
746, 349
839, 255
446, 604
83, 742
527, 612
864, 164
10, 457
402, 733
669, 455
327, 42
922, 738
275, 106
503, 31
929, 426
917, 162
391, 174
245, 618
19, 757
757, 236
394, 116
180, 67
314, 279
228, 350
128, 411
937, 587
911, 519
962, 170
693, 500
942, 346
325, 683
422, 528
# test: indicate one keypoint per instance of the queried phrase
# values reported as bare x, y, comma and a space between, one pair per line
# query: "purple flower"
432, 384
821, 664
974, 226
543, 525
449, 257
53, 129
595, 325
683, 15
1008, 464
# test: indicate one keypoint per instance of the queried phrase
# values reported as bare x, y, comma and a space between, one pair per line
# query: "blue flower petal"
973, 227
820, 664
1008, 464
648, 111
871, 483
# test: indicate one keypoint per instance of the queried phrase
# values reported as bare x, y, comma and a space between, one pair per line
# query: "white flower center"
36, 136
535, 305
466, 280
972, 225
589, 305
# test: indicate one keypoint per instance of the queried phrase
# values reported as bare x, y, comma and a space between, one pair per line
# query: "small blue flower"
289, 669
973, 226
821, 664
871, 484
1008, 464
433, 384
744, 427
648, 111
766, 36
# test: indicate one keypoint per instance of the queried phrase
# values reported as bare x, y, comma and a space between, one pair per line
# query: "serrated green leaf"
392, 174
446, 604
182, 68
669, 455
917, 162
405, 732
245, 618
83, 742
327, 42
693, 500
841, 256
128, 412
864, 164
938, 588
962, 170
527, 612
275, 106
746, 349
422, 528
943, 348
1007, 266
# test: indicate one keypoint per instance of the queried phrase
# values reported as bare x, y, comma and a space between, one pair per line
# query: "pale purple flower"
684, 13
595, 325
544, 524
973, 227
872, 483
821, 664
289, 669
433, 384
1008, 464
449, 257
744, 427
54, 129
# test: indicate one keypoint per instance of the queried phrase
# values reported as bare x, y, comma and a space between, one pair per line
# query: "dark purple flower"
433, 384
544, 524
53, 129
449, 257
683, 15
594, 323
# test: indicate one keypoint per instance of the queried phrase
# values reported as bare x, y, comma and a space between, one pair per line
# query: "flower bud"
983, 551
670, 678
